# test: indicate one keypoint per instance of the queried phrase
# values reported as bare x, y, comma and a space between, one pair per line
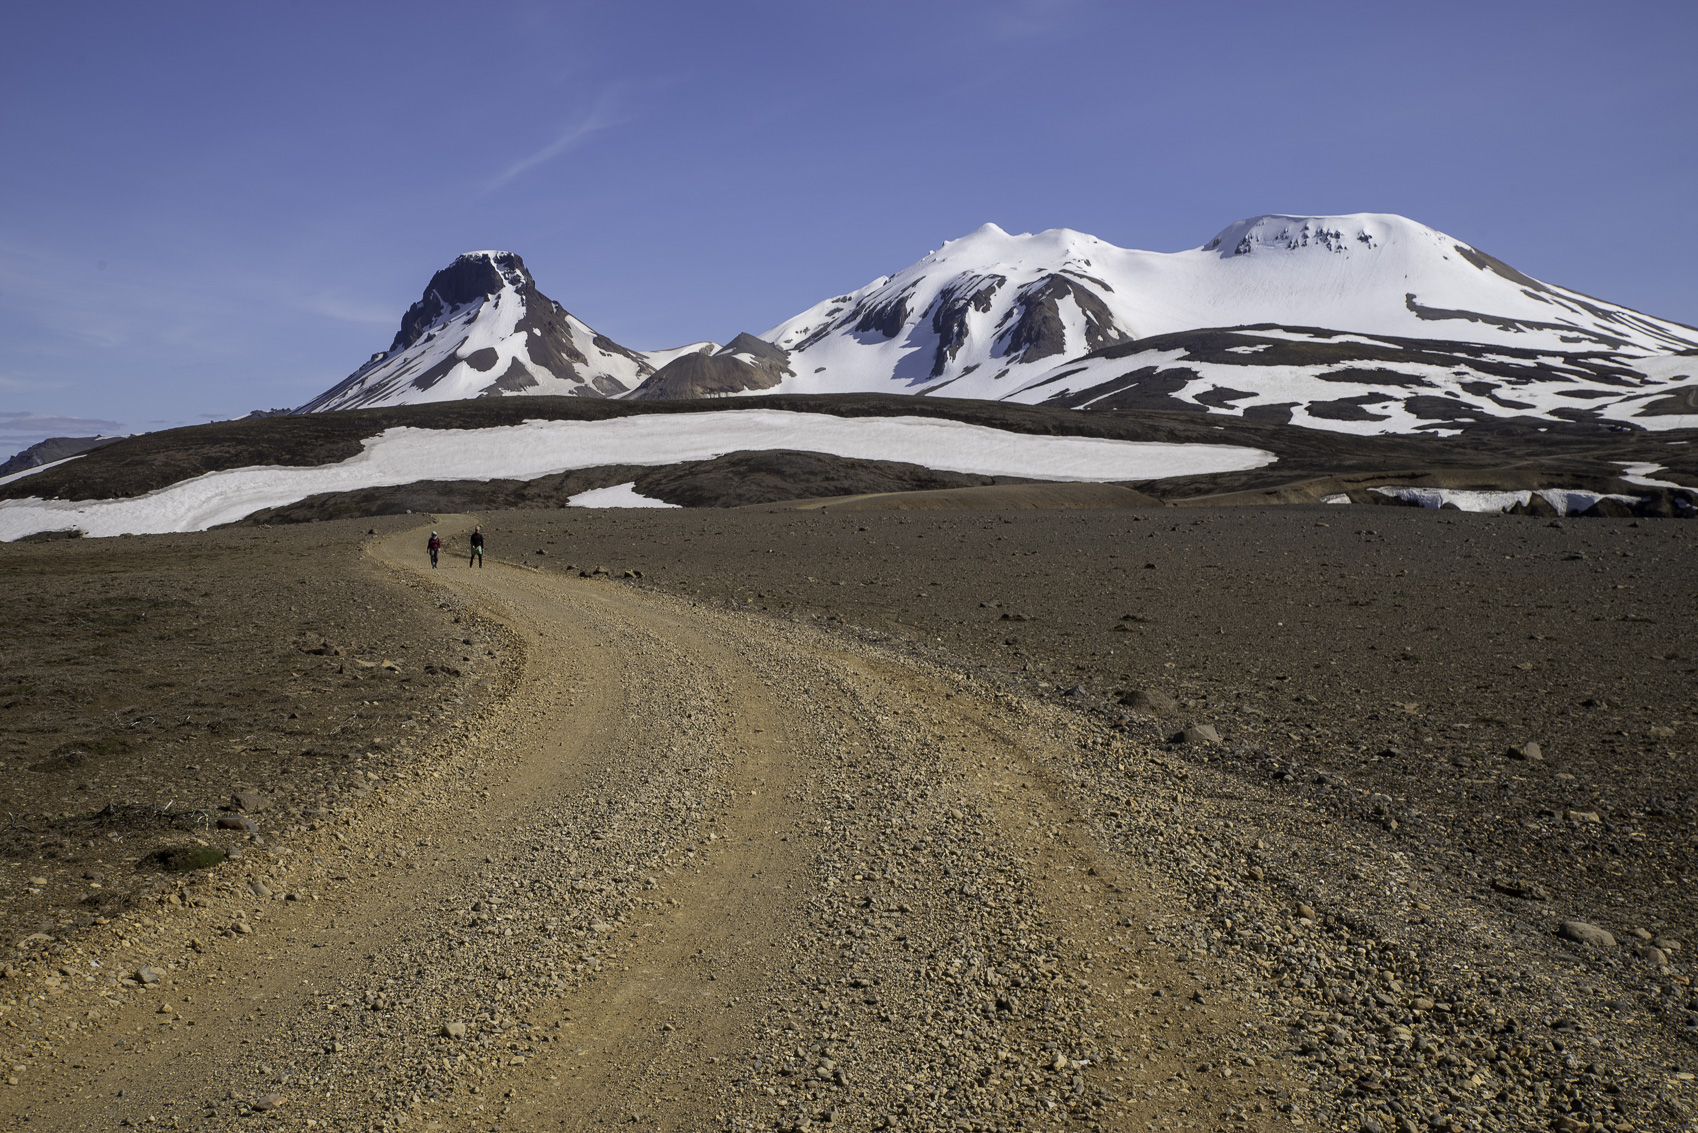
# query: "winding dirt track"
703, 870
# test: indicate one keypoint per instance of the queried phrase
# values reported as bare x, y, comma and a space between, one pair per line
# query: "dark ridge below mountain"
140, 464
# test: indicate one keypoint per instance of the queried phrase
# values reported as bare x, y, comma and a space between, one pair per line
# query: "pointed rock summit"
482, 329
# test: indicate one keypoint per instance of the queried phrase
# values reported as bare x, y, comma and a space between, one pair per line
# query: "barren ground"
798, 829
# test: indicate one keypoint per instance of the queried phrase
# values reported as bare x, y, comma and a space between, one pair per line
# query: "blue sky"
210, 208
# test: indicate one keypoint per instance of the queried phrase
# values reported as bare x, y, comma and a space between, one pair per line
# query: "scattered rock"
1198, 734
1526, 890
149, 975
267, 1101
453, 1030
1528, 750
1651, 953
1583, 933
1151, 702
237, 822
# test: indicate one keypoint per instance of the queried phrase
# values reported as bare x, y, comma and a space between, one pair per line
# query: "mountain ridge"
1365, 322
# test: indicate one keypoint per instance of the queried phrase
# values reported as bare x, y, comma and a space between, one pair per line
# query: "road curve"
703, 869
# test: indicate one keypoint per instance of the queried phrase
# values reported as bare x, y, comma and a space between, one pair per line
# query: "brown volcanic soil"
1403, 650
147, 679
836, 818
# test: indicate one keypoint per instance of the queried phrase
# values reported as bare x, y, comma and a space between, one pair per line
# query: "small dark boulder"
1150, 702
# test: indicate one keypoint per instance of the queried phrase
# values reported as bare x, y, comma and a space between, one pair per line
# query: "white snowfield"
542, 448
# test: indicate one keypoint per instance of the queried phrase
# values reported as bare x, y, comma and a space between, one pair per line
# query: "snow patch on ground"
1640, 473
620, 495
542, 448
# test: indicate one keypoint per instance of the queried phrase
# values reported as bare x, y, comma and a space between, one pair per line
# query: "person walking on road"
435, 545
477, 548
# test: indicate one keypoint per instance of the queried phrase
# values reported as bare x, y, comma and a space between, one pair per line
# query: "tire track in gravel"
705, 869
675, 1041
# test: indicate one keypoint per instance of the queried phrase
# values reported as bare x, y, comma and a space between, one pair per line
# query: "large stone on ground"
1151, 702
1583, 933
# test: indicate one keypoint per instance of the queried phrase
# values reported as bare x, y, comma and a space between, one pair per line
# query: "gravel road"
700, 868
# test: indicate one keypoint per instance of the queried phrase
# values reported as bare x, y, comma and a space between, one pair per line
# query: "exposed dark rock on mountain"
1040, 331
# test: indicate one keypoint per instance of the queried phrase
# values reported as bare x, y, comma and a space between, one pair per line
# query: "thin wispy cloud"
1026, 19
20, 430
347, 311
25, 385
603, 115
15, 422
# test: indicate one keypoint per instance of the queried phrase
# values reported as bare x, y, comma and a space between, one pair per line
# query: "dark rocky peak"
471, 277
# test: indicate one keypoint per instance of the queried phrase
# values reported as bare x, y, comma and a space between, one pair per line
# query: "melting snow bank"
620, 495
542, 448
1566, 501
1640, 473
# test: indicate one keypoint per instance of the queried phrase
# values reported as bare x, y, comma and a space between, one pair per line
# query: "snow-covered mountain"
483, 329
1367, 323
1372, 314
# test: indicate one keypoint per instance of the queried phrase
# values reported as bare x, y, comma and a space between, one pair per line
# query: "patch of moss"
182, 859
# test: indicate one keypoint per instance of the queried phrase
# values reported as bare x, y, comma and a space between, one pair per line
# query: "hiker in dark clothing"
435, 545
477, 548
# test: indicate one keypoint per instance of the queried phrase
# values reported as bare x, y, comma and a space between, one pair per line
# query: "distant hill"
53, 448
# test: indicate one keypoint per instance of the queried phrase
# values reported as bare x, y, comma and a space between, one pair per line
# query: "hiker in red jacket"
435, 545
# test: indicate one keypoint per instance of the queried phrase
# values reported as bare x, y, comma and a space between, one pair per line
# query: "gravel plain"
675, 861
